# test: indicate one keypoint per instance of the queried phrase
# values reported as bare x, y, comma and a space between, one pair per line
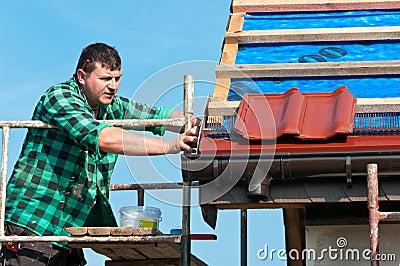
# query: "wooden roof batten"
228, 56
314, 35
235, 36
355, 68
248, 6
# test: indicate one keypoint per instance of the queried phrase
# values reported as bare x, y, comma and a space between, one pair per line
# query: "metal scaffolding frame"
183, 239
375, 216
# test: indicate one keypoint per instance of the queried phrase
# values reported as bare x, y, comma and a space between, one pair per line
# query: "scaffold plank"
141, 250
156, 262
115, 231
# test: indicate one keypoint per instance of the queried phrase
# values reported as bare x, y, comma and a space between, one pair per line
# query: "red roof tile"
308, 116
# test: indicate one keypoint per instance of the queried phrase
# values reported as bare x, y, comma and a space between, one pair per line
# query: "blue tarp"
308, 20
361, 87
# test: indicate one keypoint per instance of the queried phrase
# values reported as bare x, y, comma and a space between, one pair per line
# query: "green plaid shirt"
60, 172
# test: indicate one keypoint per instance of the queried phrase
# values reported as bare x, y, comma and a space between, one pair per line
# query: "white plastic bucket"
139, 216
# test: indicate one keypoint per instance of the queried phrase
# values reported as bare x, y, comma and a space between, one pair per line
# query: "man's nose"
112, 84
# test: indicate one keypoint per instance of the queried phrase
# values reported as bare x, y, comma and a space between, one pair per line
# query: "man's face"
101, 85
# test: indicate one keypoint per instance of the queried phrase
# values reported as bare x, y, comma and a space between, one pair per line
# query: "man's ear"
80, 76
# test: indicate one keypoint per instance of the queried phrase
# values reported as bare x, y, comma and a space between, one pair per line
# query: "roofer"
62, 176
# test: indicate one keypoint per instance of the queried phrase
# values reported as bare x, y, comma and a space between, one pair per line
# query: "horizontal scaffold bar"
99, 239
127, 124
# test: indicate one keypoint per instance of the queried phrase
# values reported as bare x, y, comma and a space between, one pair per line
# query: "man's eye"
109, 79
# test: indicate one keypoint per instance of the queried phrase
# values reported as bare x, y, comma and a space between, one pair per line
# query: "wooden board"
112, 231
160, 252
221, 89
154, 262
246, 6
158, 262
322, 69
314, 35
236, 22
228, 57
151, 252
378, 101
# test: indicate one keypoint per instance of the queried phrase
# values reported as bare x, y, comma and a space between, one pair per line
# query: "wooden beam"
112, 231
378, 101
154, 262
295, 233
223, 108
236, 22
221, 89
356, 68
228, 57
247, 6
314, 35
229, 52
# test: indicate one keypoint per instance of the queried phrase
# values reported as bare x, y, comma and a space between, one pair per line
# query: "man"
62, 176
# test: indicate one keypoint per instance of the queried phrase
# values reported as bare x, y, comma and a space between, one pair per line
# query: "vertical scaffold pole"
4, 163
188, 113
374, 215
243, 236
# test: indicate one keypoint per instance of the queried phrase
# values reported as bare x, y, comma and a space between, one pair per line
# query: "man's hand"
177, 114
186, 141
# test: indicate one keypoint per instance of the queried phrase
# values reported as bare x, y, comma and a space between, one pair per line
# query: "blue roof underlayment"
361, 87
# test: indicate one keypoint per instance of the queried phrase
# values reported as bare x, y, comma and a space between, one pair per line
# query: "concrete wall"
349, 245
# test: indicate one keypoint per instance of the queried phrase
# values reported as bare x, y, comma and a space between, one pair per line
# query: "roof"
353, 53
314, 123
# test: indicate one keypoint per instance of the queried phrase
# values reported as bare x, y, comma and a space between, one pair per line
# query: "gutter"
288, 166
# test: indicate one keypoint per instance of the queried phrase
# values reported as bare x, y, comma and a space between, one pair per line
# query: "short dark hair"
99, 52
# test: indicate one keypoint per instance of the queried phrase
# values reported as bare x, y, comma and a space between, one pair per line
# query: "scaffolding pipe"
154, 186
140, 197
126, 123
373, 207
4, 163
243, 234
375, 216
188, 92
93, 239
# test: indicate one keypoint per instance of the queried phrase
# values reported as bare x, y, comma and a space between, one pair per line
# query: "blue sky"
41, 44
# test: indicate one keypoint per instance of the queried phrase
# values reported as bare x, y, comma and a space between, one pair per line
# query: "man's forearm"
120, 141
